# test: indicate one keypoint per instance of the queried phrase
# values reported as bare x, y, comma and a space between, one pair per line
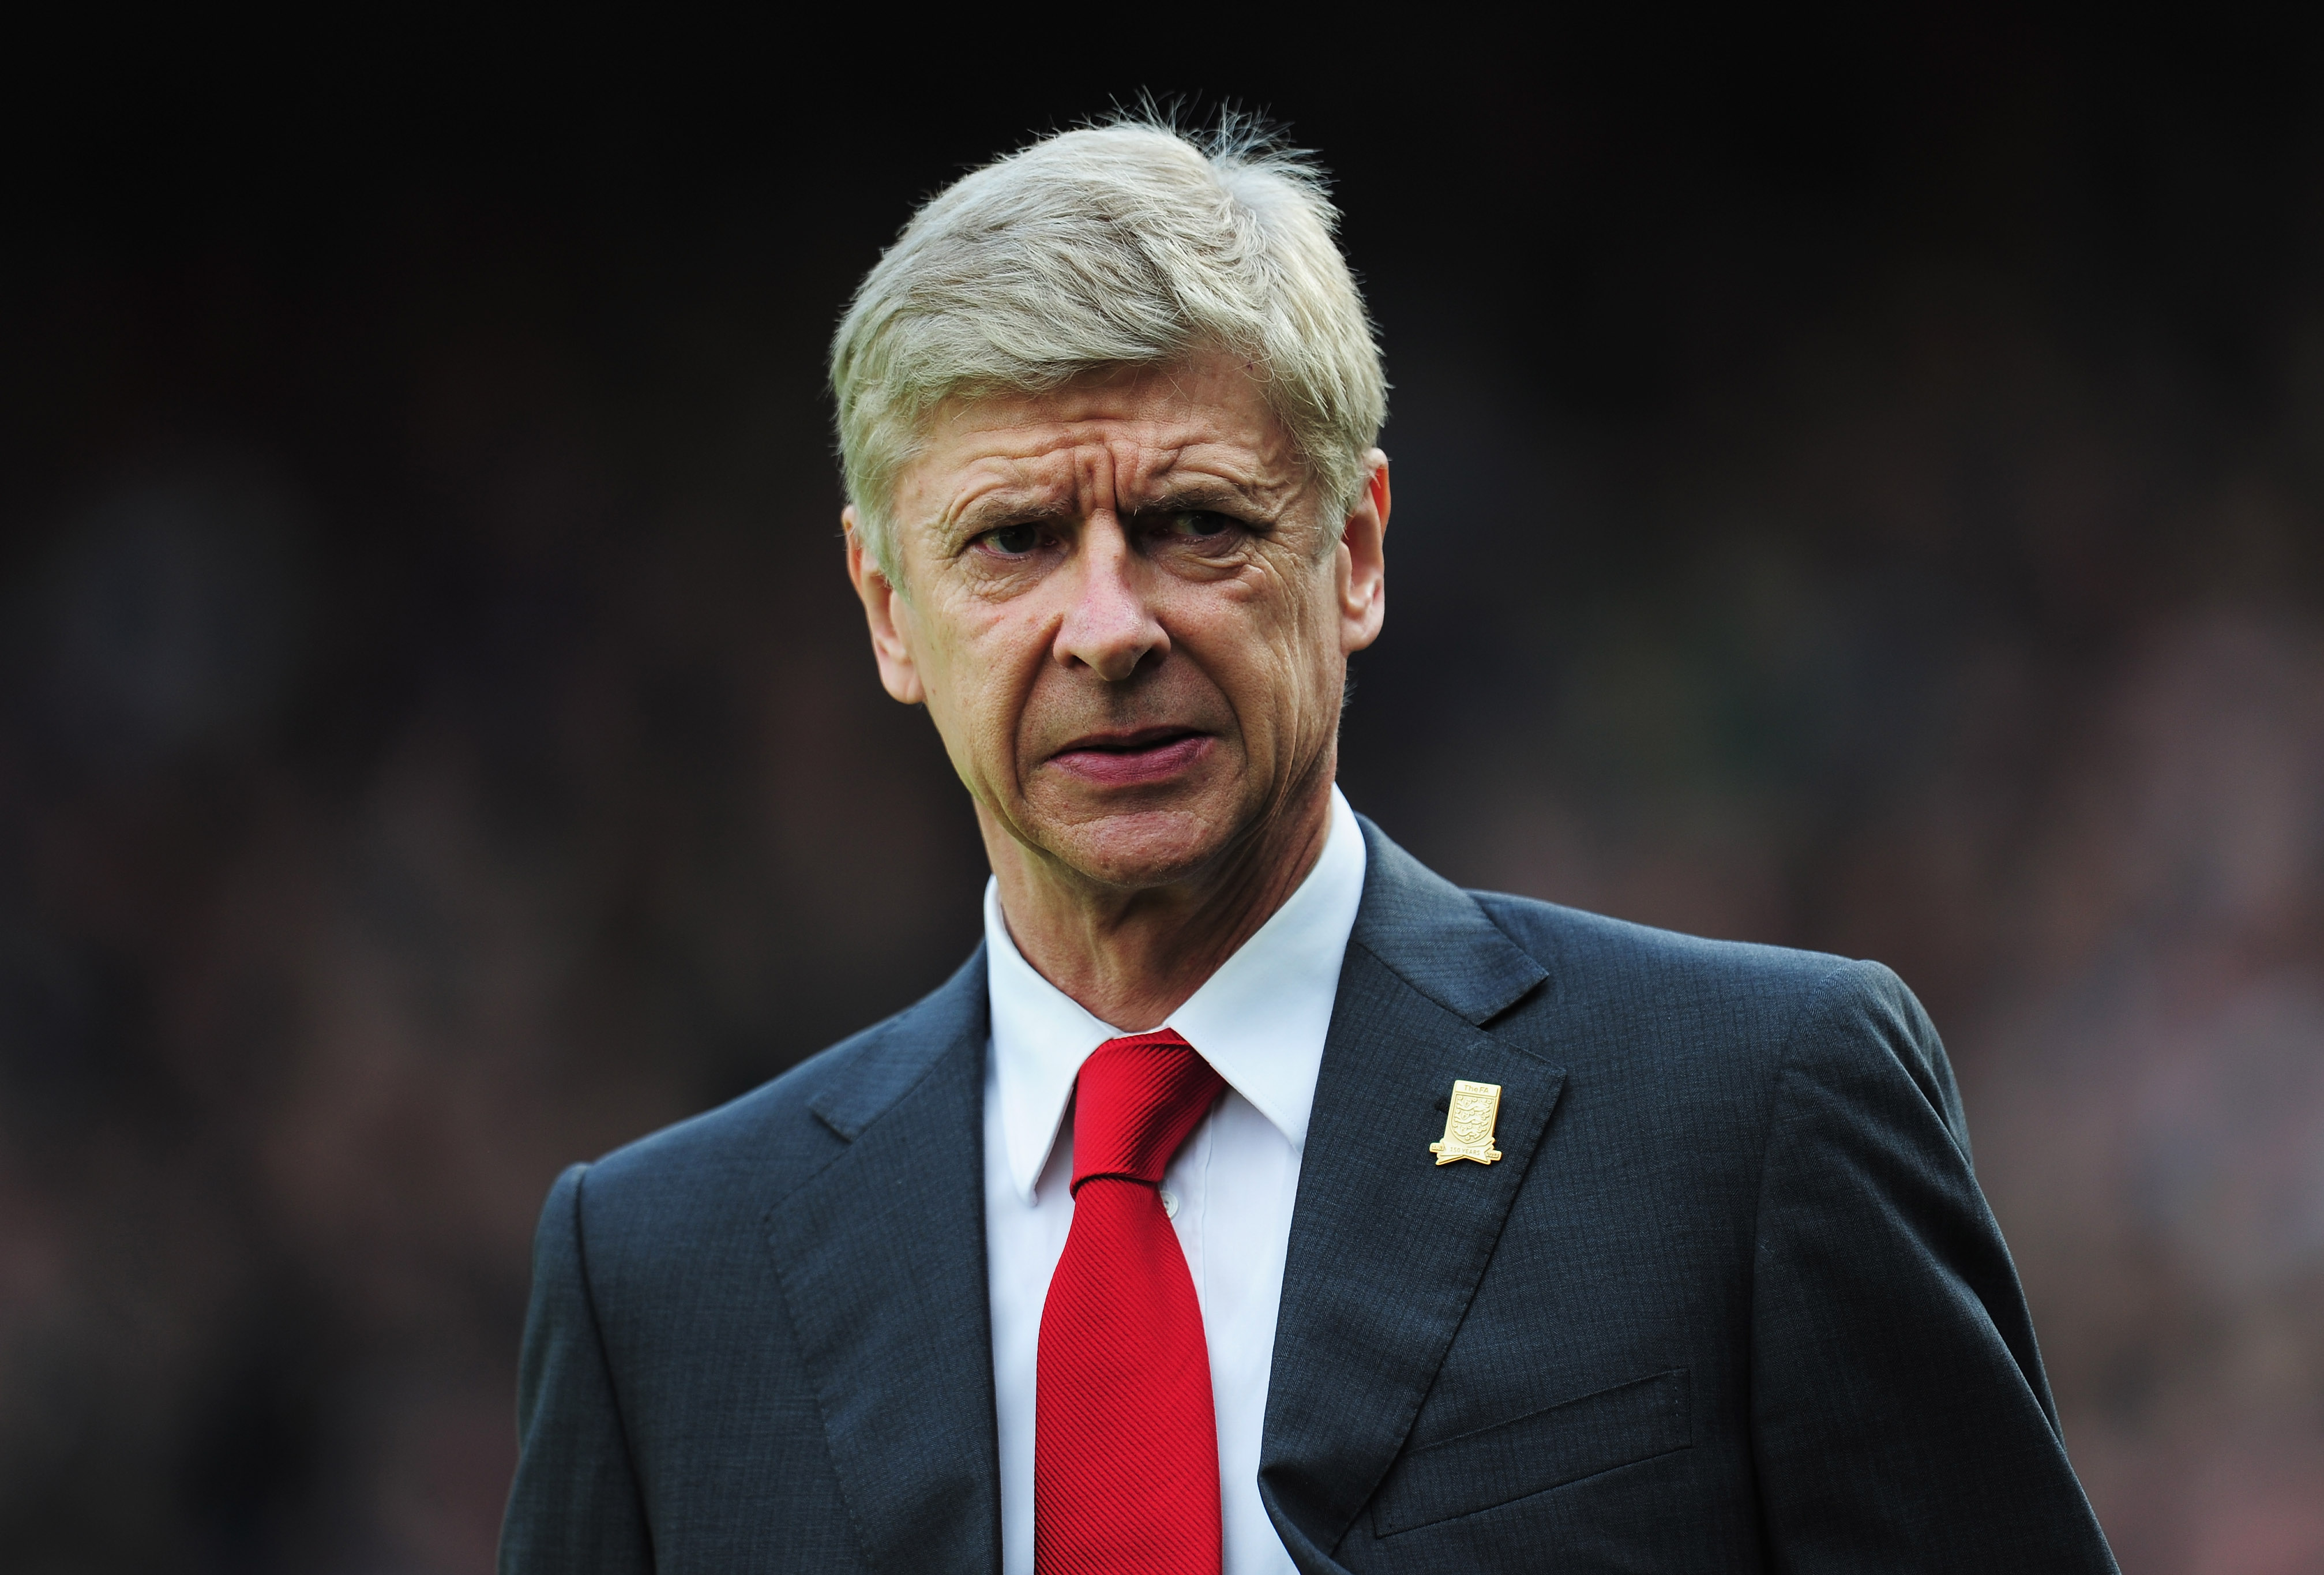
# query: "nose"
1108, 627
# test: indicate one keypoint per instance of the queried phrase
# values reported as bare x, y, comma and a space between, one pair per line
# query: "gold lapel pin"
1469, 1124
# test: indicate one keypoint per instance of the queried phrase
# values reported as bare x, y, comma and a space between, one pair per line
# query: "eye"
1012, 540
1193, 525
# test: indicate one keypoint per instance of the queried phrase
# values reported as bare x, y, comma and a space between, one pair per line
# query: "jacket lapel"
1387, 1246
882, 1260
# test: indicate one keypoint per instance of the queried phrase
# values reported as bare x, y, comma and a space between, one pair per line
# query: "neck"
1133, 956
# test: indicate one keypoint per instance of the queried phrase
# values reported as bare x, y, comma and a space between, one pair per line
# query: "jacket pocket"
1537, 1451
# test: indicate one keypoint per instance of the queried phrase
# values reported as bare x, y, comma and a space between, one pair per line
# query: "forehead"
1128, 430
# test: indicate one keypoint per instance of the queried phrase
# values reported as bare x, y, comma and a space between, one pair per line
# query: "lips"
1137, 759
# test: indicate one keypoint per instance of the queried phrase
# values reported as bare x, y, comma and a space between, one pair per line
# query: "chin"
1143, 847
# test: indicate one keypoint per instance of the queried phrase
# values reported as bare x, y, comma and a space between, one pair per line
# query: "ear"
888, 613
1363, 560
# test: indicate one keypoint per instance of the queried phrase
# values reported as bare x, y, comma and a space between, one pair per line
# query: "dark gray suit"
1732, 1301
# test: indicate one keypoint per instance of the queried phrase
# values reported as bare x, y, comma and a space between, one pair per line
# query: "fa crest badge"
1469, 1124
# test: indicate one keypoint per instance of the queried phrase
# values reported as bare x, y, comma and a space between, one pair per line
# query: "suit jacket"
1731, 1300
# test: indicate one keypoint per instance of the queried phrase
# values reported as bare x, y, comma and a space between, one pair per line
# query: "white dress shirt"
1260, 1020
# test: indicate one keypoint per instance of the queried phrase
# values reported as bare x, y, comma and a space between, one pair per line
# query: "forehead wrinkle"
1211, 462
1096, 475
991, 485
1045, 470
1203, 474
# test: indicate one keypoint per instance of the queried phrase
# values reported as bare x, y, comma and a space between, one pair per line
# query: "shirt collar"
1260, 1020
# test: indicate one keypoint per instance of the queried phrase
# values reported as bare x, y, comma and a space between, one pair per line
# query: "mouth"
1132, 759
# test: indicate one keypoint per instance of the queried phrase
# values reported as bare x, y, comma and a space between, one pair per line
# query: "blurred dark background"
1858, 490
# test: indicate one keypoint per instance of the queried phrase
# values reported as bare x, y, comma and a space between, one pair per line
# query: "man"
1254, 1199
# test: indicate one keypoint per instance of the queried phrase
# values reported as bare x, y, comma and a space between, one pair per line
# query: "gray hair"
1112, 246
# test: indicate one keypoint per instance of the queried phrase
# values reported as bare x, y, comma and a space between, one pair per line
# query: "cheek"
1277, 664
989, 664
1302, 631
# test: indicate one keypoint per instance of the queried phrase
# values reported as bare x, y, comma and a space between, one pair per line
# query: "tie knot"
1137, 1099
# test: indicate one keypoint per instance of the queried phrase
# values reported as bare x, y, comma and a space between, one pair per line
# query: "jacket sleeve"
1900, 1418
575, 1508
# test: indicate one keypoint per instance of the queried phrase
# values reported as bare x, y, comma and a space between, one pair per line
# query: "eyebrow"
996, 508
993, 510
1207, 492
982, 515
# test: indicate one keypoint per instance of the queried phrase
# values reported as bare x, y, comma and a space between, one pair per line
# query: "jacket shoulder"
763, 1145
1738, 1007
1590, 950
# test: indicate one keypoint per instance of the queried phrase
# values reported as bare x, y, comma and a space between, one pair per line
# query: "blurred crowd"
436, 742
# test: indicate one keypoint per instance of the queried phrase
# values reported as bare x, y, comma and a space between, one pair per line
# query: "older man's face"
1128, 613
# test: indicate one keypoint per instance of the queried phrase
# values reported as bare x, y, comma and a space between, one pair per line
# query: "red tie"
1126, 1453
